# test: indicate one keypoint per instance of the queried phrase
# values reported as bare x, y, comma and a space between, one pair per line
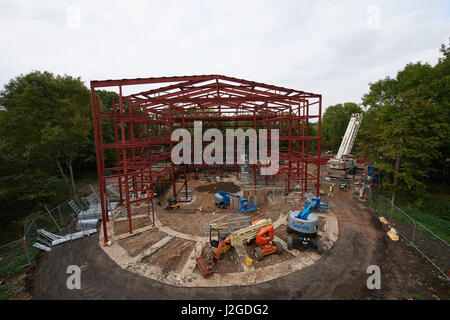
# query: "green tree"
408, 127
334, 123
44, 122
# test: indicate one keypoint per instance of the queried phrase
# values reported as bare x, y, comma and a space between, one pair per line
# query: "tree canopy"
334, 123
408, 117
406, 122
45, 126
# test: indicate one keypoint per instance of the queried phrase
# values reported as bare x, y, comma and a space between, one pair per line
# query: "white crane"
340, 165
350, 135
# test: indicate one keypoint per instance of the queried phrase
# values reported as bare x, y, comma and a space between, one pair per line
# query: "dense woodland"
47, 144
405, 132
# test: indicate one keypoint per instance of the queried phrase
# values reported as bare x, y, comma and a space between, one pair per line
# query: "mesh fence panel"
430, 245
29, 238
65, 213
20, 253
13, 258
436, 249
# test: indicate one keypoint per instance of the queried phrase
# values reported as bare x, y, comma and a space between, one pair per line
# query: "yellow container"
248, 262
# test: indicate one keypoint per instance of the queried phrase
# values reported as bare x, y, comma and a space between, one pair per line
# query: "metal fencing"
17, 255
53, 220
13, 258
429, 244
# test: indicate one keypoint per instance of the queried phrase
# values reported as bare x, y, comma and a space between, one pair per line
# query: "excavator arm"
222, 243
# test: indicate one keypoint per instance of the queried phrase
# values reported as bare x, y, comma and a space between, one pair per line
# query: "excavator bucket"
205, 260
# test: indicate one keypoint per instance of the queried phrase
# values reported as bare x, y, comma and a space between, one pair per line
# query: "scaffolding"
143, 123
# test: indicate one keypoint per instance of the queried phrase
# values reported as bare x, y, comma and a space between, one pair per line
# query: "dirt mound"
219, 186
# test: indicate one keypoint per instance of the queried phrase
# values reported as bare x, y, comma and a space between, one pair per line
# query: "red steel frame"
143, 123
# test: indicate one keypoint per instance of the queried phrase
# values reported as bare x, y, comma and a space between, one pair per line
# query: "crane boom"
343, 165
350, 136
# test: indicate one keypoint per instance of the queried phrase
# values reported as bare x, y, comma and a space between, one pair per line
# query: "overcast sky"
330, 47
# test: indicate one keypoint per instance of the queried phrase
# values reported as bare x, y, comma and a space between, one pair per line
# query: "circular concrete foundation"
170, 241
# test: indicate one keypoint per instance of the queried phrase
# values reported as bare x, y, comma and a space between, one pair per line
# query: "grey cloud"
322, 46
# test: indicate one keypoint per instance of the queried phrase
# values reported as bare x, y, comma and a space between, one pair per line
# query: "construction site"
167, 213
223, 224
221, 155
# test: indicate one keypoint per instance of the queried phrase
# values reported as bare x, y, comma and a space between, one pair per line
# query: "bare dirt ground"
194, 217
173, 257
339, 274
268, 260
229, 262
138, 243
219, 186
121, 227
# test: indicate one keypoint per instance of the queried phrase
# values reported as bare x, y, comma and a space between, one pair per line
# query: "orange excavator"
265, 243
221, 244
211, 252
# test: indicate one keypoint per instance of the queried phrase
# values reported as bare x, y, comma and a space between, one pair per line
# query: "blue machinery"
306, 224
222, 199
302, 216
309, 205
